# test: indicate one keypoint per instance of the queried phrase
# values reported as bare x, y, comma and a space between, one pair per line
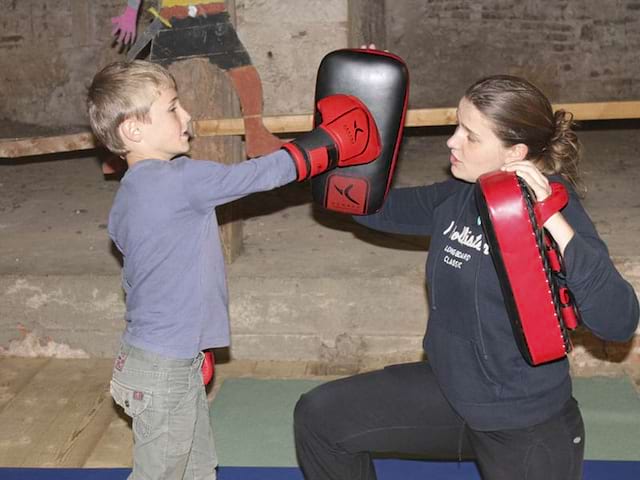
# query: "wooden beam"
602, 110
23, 147
422, 117
235, 126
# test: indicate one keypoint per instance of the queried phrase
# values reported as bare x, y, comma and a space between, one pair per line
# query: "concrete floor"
59, 295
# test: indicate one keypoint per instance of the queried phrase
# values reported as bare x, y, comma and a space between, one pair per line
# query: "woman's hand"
526, 170
556, 225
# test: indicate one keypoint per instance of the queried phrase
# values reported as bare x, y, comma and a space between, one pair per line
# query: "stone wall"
575, 50
580, 50
50, 49
287, 40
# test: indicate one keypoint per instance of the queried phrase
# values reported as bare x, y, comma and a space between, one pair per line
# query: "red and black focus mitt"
381, 81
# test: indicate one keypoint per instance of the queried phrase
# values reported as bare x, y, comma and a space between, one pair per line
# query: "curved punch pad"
381, 81
516, 239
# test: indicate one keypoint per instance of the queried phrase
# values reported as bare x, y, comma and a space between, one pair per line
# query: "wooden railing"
423, 117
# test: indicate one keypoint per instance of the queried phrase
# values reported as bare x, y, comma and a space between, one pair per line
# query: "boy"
163, 222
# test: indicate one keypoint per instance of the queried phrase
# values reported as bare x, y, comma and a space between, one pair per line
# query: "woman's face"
475, 149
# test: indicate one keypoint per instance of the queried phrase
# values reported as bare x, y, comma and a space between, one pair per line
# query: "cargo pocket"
136, 405
134, 402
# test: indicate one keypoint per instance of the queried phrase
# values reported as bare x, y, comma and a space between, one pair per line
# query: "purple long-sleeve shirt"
163, 221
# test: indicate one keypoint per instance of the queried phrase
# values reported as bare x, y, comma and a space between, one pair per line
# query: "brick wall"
576, 50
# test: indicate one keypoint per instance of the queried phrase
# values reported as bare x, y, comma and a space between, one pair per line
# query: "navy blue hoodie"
469, 340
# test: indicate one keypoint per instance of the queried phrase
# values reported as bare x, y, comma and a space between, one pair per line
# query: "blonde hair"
520, 113
120, 91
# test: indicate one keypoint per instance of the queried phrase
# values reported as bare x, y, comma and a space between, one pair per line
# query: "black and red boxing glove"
346, 134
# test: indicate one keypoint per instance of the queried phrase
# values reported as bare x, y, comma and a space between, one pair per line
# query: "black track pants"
400, 409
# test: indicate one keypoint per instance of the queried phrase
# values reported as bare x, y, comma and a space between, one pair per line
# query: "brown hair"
521, 113
124, 90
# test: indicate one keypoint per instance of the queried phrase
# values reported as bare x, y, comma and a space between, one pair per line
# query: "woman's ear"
130, 130
517, 152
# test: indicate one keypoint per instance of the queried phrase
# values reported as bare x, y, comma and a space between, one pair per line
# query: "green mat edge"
611, 433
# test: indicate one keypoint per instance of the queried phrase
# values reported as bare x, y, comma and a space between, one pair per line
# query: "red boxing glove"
346, 135
208, 366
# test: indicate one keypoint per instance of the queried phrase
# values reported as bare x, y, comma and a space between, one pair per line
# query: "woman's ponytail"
562, 153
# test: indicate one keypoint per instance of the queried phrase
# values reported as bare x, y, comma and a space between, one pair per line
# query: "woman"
476, 396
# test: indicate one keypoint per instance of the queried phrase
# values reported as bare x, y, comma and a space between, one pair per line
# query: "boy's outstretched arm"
345, 135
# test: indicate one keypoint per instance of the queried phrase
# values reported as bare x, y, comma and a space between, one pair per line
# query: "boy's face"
166, 134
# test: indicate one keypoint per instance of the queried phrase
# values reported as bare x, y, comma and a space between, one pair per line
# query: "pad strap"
552, 204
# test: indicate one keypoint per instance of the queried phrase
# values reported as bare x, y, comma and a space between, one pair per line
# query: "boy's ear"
130, 130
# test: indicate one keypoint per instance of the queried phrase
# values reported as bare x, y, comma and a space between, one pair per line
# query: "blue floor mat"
419, 470
386, 469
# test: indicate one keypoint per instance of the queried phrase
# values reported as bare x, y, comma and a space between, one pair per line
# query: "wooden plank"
81, 444
422, 117
235, 126
24, 147
15, 374
430, 117
602, 110
114, 448
50, 422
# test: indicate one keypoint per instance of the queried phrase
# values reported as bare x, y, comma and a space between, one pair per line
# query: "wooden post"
205, 91
367, 23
